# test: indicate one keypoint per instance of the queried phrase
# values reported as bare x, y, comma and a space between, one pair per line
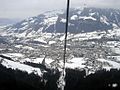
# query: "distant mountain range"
80, 20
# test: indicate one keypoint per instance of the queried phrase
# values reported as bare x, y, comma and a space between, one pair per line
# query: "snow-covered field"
19, 66
74, 63
13, 55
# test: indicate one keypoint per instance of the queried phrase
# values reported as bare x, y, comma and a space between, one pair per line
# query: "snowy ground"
22, 67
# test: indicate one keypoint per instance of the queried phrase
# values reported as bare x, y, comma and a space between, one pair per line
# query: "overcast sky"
26, 8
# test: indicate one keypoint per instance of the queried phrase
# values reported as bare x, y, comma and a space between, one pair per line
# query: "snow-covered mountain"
92, 43
80, 20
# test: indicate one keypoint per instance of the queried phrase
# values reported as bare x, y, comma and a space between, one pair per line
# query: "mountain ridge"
86, 20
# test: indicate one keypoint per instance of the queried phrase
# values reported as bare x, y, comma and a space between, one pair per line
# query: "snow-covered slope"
17, 65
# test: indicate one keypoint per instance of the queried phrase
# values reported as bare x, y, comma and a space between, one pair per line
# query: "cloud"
27, 8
